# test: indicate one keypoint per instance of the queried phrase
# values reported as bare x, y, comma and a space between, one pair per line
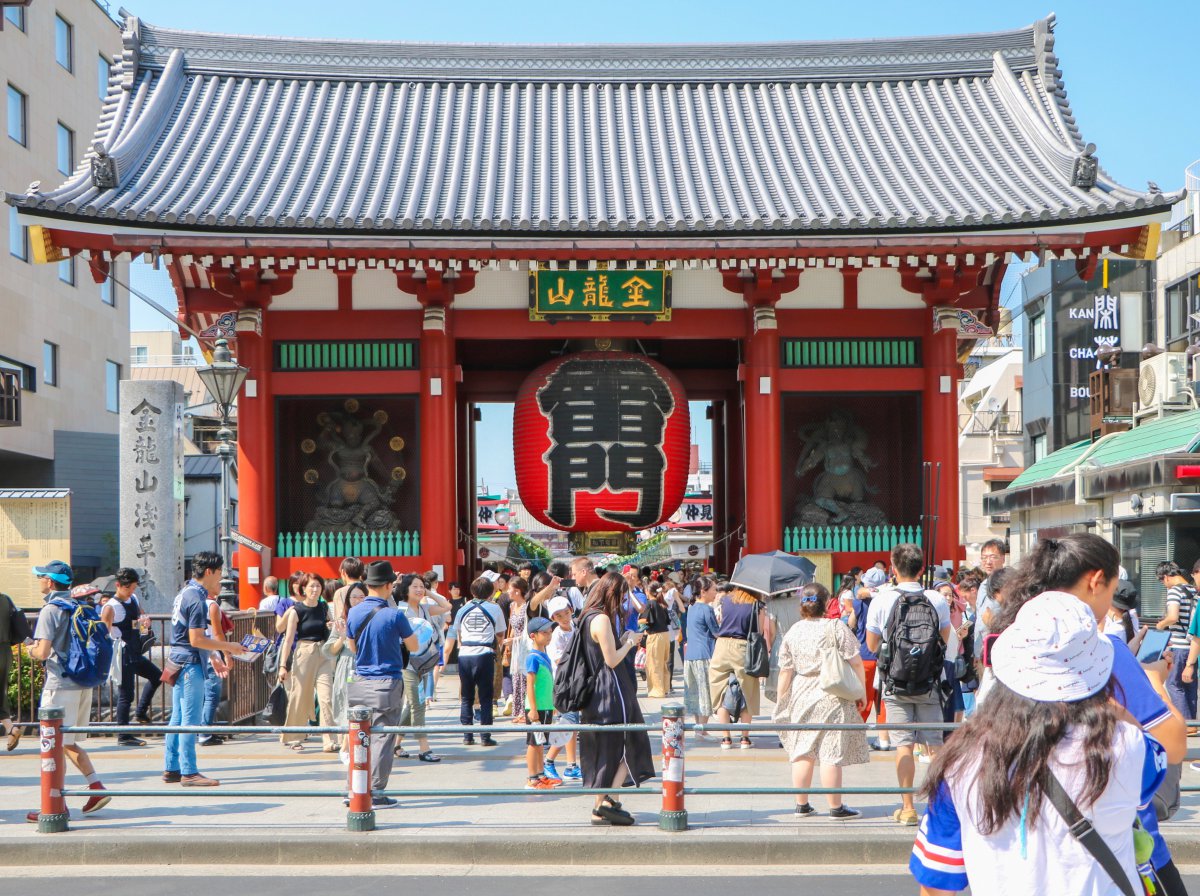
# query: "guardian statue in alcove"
841, 490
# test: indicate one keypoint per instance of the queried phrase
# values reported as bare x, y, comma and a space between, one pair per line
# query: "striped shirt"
1184, 597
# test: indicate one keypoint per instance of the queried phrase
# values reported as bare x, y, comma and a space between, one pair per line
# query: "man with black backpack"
68, 634
909, 628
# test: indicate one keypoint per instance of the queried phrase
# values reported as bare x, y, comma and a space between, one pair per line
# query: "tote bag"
838, 677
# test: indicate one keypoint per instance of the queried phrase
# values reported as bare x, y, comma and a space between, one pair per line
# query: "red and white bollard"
673, 816
52, 818
361, 816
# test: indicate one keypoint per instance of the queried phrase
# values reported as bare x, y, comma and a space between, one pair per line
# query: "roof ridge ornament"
1083, 174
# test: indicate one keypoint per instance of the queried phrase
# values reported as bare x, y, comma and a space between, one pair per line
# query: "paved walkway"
478, 826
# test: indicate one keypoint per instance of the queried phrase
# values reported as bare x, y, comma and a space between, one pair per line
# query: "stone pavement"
218, 825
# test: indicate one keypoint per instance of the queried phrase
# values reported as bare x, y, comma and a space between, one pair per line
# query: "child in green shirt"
539, 703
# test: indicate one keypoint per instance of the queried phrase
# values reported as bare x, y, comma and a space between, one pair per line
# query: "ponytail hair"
1056, 564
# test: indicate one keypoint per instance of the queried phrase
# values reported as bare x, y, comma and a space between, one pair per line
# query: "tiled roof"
207, 131
201, 466
1176, 434
33, 494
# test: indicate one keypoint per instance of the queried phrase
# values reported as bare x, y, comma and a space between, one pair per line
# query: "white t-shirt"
950, 852
881, 607
560, 640
118, 608
1110, 626
267, 604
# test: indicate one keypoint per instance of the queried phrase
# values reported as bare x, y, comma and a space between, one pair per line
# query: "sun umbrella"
773, 573
107, 584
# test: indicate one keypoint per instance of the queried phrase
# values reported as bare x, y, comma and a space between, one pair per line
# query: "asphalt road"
533, 881
449, 880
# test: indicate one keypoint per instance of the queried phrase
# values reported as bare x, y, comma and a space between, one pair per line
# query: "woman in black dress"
622, 757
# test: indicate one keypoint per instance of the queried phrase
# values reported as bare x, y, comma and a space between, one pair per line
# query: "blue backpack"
90, 650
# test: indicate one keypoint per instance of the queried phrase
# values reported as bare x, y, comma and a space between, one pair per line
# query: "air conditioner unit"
1162, 382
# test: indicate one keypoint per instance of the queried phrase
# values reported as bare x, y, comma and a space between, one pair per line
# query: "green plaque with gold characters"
599, 294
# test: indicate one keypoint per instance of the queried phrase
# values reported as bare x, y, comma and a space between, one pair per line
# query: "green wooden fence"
374, 354
866, 352
348, 544
848, 538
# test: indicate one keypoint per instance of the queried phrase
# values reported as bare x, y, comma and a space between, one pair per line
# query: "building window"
26, 373
1182, 301
1037, 335
18, 116
18, 236
64, 40
66, 149
15, 15
140, 354
112, 377
108, 292
103, 70
49, 363
1039, 447
66, 271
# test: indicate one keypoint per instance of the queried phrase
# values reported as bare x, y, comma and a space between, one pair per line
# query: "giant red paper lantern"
601, 442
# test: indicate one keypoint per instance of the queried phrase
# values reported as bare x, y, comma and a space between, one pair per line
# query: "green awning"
1176, 434
1051, 465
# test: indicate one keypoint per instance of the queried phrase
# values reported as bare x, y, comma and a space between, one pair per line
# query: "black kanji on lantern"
607, 419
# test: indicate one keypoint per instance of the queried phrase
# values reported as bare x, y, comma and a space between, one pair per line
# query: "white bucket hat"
874, 578
1053, 651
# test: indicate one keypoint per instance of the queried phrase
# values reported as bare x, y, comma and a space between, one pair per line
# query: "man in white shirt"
908, 562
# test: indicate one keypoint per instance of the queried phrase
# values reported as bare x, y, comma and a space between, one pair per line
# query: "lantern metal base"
53, 824
675, 820
360, 821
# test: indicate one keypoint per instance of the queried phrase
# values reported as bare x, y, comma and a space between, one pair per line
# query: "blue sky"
1128, 68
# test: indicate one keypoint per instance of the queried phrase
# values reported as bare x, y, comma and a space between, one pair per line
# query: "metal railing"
244, 692
53, 817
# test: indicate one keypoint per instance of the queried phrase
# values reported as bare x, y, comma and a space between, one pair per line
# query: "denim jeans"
212, 693
187, 703
1182, 695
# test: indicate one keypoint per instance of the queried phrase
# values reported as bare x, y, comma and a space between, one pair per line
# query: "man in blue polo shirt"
375, 630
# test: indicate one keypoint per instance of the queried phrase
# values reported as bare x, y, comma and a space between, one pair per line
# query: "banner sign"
600, 295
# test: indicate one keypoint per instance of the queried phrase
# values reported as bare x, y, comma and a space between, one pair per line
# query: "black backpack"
911, 661
574, 682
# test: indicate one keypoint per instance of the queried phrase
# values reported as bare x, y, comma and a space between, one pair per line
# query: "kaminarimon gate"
807, 236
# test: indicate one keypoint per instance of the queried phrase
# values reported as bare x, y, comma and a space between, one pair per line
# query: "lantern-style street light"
223, 380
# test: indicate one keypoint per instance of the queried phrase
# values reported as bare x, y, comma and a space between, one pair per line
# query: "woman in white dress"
802, 700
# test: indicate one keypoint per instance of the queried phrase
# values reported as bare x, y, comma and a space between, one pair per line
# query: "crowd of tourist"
1076, 724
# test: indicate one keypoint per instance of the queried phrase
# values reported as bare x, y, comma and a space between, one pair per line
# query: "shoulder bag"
1087, 836
758, 658
838, 677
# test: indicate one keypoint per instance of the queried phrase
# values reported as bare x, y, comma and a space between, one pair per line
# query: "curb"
399, 846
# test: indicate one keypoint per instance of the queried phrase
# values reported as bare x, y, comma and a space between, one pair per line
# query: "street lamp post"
223, 380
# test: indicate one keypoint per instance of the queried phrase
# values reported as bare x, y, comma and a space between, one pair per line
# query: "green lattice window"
866, 352
373, 354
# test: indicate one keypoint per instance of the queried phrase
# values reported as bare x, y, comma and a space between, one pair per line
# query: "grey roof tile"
285, 135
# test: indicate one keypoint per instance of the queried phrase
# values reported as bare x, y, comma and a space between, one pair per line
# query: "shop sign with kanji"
599, 295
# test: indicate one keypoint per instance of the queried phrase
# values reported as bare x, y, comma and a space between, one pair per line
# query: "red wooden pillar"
763, 425
256, 460
256, 465
438, 417
939, 414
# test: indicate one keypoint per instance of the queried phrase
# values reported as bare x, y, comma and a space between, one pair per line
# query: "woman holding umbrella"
741, 615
